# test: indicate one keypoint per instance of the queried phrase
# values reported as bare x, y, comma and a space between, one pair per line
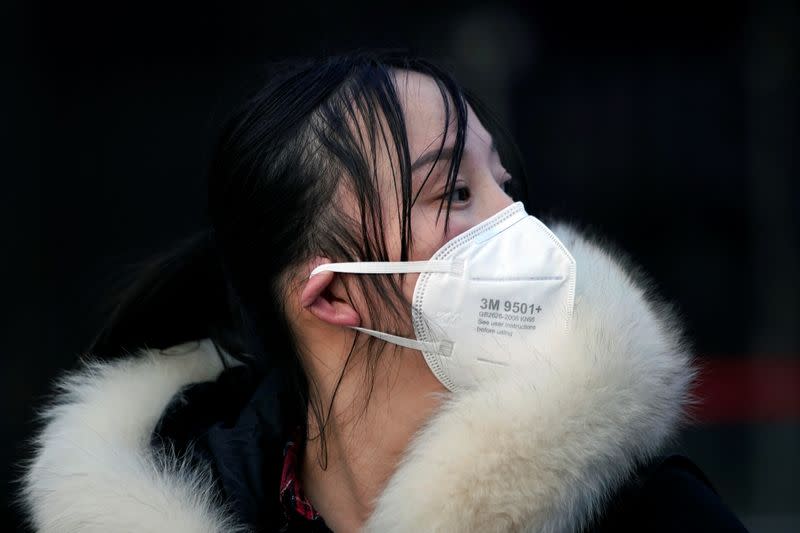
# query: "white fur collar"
538, 452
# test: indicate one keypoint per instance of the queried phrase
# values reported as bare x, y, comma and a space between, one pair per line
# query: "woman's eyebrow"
433, 155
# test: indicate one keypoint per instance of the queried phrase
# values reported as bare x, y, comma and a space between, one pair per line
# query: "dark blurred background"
670, 128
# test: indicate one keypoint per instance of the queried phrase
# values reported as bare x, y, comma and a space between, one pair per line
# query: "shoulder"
98, 464
670, 494
236, 425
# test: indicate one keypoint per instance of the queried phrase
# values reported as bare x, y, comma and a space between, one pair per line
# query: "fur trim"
538, 452
95, 469
543, 450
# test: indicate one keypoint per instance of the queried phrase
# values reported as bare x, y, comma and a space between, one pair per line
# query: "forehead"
424, 109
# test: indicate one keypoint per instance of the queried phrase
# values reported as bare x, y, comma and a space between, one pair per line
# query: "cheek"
430, 236
434, 239
458, 225
409, 285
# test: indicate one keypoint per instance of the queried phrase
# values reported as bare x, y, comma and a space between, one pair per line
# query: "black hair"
314, 128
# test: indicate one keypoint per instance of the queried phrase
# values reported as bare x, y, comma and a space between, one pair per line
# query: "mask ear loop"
440, 347
455, 267
391, 267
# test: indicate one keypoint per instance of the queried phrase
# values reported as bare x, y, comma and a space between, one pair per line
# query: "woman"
373, 336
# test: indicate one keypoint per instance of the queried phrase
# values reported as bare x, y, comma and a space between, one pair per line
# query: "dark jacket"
184, 440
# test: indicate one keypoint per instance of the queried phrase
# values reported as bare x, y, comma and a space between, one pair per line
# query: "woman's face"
479, 193
480, 189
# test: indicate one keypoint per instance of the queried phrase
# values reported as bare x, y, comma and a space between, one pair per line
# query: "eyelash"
453, 197
507, 185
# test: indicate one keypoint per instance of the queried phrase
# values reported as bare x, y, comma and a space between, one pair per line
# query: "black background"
669, 128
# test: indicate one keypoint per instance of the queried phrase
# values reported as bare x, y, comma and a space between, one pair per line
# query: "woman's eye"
460, 195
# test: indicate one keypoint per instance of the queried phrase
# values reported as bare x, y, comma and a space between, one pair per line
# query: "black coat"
243, 437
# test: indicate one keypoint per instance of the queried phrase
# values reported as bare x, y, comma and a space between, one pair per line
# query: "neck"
343, 480
366, 432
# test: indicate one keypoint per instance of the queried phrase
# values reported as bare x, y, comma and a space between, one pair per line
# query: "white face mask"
489, 299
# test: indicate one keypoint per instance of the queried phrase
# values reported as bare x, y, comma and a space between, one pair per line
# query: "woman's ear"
325, 297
